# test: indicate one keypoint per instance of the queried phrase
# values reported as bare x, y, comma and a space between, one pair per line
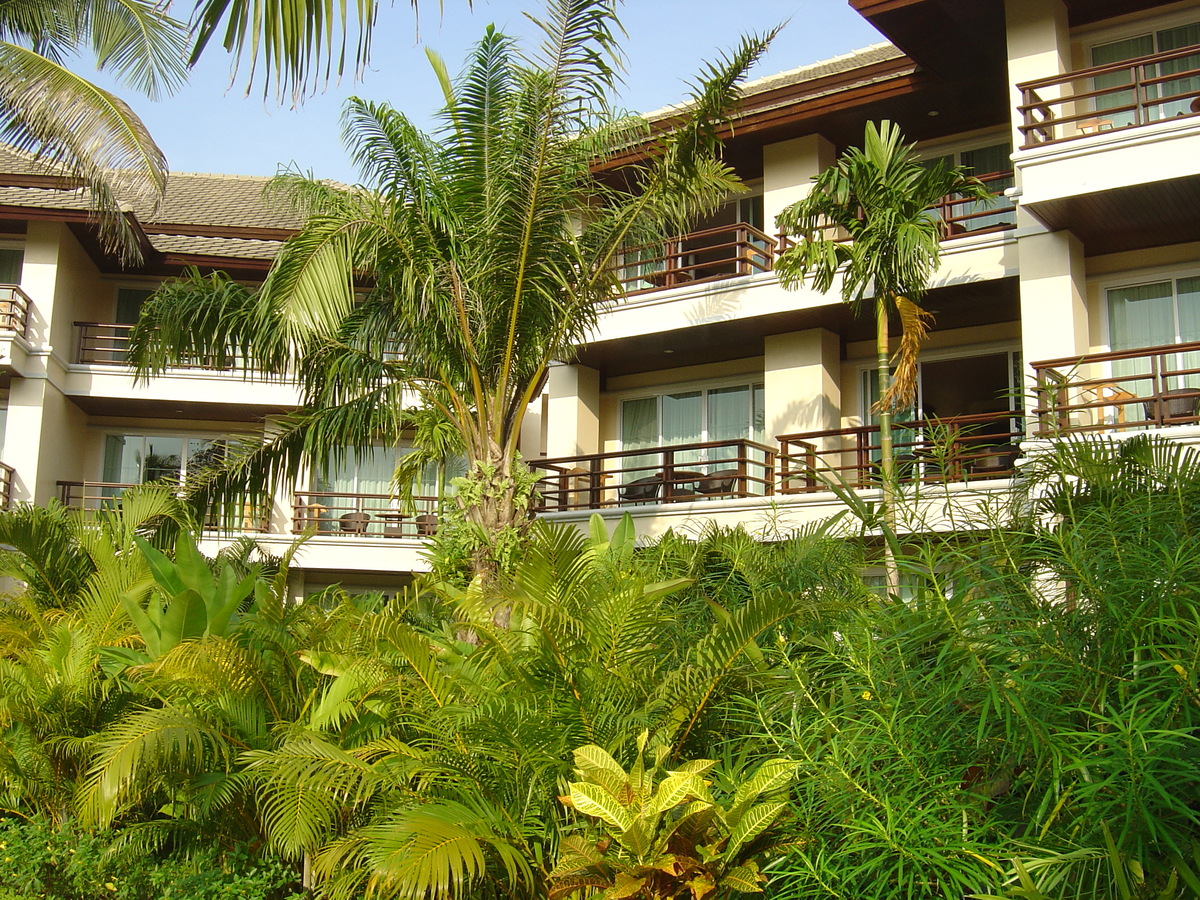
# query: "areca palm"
76, 126
880, 197
489, 251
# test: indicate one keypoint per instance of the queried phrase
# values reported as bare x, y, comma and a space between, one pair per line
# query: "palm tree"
880, 197
488, 251
77, 127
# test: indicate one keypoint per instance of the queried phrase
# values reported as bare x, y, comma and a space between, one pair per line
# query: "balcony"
7, 475
735, 251
94, 496
1108, 98
14, 310
930, 451
107, 344
1153, 387
1110, 152
714, 254
101, 383
684, 473
358, 515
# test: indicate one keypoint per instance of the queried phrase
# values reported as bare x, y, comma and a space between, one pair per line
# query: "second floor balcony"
107, 344
739, 250
1120, 390
1127, 94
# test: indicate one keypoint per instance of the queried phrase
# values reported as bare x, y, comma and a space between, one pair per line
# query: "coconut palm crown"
75, 126
465, 262
868, 221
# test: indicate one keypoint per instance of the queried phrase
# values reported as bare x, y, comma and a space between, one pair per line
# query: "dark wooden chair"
355, 522
643, 490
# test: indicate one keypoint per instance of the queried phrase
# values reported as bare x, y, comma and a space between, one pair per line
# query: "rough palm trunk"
887, 454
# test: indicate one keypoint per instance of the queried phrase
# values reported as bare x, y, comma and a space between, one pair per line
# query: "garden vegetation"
693, 718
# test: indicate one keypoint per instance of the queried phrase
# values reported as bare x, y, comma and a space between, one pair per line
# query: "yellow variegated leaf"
625, 886
595, 800
756, 820
743, 879
676, 789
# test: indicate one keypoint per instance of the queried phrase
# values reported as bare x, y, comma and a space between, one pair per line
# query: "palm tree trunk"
887, 454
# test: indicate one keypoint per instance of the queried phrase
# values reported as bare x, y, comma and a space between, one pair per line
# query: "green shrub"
40, 862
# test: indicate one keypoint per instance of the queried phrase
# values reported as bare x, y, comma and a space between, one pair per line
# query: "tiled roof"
795, 78
214, 246
222, 200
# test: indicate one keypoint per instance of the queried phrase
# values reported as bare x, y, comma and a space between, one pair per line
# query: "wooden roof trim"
226, 263
242, 232
869, 8
903, 82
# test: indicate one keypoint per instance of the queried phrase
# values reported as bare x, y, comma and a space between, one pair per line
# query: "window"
129, 304
12, 260
371, 472
732, 413
1155, 314
992, 164
1120, 106
141, 458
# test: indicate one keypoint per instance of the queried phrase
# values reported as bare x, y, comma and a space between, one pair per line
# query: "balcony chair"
718, 483
354, 522
427, 525
643, 490
1173, 406
998, 460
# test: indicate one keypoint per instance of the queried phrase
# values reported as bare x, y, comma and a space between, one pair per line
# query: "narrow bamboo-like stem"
887, 456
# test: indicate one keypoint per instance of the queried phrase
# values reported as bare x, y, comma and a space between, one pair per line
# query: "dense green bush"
42, 862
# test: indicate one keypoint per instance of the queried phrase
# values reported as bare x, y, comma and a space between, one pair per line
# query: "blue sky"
212, 127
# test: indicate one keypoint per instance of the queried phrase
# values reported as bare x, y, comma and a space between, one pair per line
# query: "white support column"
572, 411
1054, 316
1039, 46
788, 169
44, 440
802, 382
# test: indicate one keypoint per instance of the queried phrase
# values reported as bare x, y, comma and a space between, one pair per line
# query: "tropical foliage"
694, 718
465, 264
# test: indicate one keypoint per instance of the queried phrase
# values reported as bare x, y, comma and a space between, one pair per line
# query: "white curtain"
1118, 51
1140, 316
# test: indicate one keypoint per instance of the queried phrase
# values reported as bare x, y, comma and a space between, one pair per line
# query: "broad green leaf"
161, 568
594, 800
755, 821
676, 789
148, 626
184, 619
745, 879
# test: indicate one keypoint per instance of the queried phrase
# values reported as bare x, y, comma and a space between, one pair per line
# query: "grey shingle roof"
214, 246
837, 65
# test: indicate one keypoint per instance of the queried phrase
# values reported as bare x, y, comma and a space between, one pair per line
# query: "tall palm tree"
880, 197
468, 261
72, 124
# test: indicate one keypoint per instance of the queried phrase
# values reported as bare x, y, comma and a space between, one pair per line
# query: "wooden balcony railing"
713, 254
363, 515
14, 309
248, 517
683, 473
959, 215
1109, 97
7, 476
1152, 387
958, 449
107, 343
